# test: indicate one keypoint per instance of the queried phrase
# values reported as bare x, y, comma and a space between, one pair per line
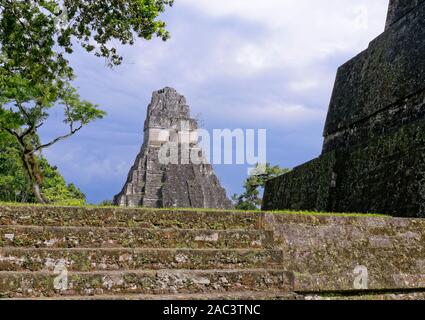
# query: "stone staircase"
98, 253
121, 253
153, 176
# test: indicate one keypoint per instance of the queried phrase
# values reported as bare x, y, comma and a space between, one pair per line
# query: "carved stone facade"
176, 180
373, 157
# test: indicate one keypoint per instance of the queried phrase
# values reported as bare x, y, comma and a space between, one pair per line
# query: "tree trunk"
37, 192
31, 166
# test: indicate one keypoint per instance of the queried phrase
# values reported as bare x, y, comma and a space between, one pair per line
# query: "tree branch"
10, 131
22, 109
32, 126
72, 132
18, 137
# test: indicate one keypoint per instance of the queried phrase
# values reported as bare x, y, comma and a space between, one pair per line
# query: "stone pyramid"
373, 157
157, 184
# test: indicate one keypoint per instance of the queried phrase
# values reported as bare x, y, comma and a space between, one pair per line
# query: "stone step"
151, 203
48, 284
152, 193
370, 296
244, 295
127, 217
153, 165
95, 237
17, 259
268, 295
154, 179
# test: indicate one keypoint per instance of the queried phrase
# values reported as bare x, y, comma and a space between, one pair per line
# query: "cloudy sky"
240, 63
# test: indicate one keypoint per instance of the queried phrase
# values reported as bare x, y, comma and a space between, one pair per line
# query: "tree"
15, 185
14, 182
35, 37
107, 203
56, 190
254, 185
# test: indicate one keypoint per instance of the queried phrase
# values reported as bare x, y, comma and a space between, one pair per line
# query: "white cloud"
299, 32
292, 12
241, 63
303, 84
268, 115
89, 167
286, 35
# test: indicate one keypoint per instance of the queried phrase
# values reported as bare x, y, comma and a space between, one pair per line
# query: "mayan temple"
373, 157
185, 184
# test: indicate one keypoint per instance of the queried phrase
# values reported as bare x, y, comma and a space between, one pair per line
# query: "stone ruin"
178, 183
373, 157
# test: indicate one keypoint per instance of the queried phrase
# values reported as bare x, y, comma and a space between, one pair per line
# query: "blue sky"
240, 63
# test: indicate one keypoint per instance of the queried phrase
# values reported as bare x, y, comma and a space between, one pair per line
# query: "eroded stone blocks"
154, 183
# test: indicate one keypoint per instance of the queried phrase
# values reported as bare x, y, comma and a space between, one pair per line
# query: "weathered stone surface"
272, 294
399, 8
186, 184
126, 217
323, 252
197, 189
382, 88
77, 259
373, 157
93, 237
277, 256
36, 284
384, 175
419, 295
308, 186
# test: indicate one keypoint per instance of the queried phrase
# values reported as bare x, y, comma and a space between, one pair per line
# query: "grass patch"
288, 212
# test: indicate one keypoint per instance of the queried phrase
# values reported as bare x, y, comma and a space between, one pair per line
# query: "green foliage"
55, 188
15, 185
14, 182
35, 75
106, 203
254, 186
95, 23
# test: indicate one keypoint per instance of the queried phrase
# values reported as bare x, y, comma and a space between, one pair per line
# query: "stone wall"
399, 8
307, 187
372, 91
328, 254
132, 253
387, 121
197, 190
385, 175
374, 131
